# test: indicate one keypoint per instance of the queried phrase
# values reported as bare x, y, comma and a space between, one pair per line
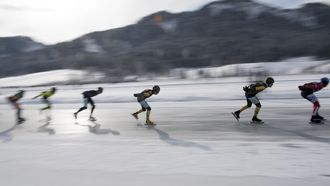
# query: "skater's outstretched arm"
35, 97
41, 94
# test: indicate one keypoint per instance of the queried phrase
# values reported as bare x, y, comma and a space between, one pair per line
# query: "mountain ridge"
219, 33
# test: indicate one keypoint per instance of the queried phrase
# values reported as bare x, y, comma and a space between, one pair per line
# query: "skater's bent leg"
257, 110
81, 109
139, 111
18, 114
144, 106
148, 114
93, 105
244, 108
84, 107
248, 105
316, 107
48, 105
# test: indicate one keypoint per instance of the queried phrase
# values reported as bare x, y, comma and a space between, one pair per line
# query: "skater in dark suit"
87, 96
14, 101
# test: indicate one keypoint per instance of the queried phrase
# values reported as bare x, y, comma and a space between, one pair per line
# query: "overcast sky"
52, 21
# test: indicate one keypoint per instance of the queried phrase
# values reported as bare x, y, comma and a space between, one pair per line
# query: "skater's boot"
315, 119
20, 120
91, 118
148, 122
75, 115
319, 117
236, 114
135, 115
256, 119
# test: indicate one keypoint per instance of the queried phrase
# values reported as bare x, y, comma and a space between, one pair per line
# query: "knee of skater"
83, 108
149, 108
317, 104
258, 105
143, 109
249, 105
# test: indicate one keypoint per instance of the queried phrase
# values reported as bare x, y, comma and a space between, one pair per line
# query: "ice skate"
148, 122
91, 118
236, 115
256, 120
135, 116
20, 120
316, 120
320, 117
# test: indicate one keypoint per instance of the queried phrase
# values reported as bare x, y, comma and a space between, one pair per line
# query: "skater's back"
307, 92
90, 93
255, 88
144, 95
312, 87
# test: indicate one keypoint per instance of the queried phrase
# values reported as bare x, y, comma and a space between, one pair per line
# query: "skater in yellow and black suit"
141, 99
250, 94
45, 95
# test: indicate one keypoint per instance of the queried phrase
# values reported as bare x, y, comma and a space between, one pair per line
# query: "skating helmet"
21, 91
156, 89
53, 89
270, 81
100, 89
325, 81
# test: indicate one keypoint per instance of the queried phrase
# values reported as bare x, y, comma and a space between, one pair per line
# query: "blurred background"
156, 41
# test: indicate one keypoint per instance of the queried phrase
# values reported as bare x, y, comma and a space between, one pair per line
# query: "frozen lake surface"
196, 140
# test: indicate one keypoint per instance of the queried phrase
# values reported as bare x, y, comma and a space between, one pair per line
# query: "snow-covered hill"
51, 78
303, 65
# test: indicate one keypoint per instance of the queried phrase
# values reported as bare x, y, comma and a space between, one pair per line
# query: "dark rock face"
220, 33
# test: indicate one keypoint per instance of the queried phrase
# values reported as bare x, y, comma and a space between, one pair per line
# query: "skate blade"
257, 122
149, 125
20, 122
235, 116
316, 123
135, 117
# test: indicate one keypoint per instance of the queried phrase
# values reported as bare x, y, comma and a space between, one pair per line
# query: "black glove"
245, 88
135, 95
301, 88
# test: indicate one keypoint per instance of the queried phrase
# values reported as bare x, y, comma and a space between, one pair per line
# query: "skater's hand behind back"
245, 88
